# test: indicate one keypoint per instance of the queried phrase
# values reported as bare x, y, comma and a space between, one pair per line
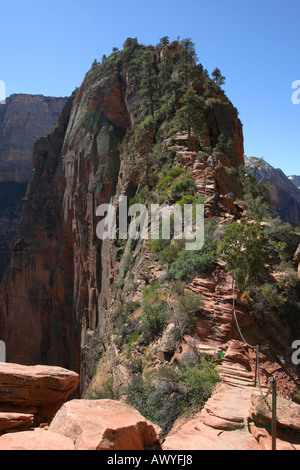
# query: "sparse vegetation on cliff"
163, 395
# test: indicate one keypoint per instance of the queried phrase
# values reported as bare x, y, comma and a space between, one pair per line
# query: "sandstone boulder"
104, 425
40, 390
36, 439
288, 412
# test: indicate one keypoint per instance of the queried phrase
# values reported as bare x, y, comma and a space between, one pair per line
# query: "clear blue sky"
49, 45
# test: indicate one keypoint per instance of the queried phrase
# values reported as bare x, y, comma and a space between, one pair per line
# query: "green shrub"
183, 185
185, 308
225, 144
191, 199
200, 379
170, 252
154, 320
169, 178
164, 183
154, 314
268, 300
151, 293
193, 263
208, 169
131, 343
213, 101
173, 390
158, 245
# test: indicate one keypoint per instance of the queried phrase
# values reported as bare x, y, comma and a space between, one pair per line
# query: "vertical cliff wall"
23, 119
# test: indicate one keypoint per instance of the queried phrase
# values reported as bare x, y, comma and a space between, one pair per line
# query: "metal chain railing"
272, 385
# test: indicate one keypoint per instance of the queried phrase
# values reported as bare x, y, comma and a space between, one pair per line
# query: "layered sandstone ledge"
35, 414
37, 390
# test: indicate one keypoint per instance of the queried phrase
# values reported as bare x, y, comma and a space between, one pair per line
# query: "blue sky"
48, 46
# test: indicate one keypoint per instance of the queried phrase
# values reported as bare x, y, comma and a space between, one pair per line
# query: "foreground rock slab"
38, 390
195, 435
10, 421
36, 439
104, 425
227, 408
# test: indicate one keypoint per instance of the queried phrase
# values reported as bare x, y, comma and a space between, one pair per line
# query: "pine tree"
95, 64
165, 71
218, 78
164, 41
189, 116
149, 82
187, 58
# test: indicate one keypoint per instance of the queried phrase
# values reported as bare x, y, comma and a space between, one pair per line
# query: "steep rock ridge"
284, 194
56, 292
23, 119
56, 264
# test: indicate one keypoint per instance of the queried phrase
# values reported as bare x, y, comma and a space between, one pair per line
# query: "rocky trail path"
226, 422
204, 179
223, 422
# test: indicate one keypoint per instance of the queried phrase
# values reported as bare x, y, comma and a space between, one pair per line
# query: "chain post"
274, 412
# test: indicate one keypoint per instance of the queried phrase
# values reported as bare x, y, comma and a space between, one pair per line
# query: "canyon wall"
283, 193
23, 119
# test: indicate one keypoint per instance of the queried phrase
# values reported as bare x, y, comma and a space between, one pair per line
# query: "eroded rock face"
38, 390
23, 119
224, 120
283, 193
287, 416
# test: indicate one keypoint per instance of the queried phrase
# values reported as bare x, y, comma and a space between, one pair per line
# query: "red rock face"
224, 120
23, 119
46, 293
29, 284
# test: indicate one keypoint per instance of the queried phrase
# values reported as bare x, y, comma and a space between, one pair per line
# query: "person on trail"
214, 163
210, 160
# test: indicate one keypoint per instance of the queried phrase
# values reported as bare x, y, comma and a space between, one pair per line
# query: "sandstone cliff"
284, 194
23, 119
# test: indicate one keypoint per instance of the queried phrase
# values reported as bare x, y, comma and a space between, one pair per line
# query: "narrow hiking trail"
223, 422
